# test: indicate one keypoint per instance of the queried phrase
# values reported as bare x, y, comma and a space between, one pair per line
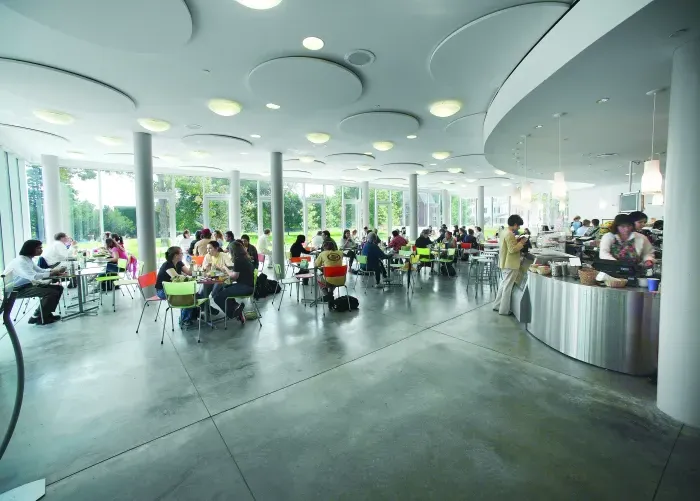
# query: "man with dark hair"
251, 250
28, 282
197, 238
594, 229
397, 241
327, 237
230, 238
509, 262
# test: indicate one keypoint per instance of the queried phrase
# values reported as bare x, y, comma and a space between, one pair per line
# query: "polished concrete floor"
425, 396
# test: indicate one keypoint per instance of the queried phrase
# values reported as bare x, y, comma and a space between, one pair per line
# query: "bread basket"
616, 283
545, 270
587, 276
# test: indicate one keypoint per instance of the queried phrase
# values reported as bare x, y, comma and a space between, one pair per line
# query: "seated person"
397, 241
423, 241
200, 248
243, 277
470, 238
117, 253
216, 259
193, 243
60, 249
583, 229
326, 237
355, 237
26, 274
330, 256
594, 229
317, 240
297, 248
229, 239
173, 266
347, 245
250, 249
374, 258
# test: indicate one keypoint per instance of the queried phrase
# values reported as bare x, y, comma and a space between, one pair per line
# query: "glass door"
384, 220
351, 212
314, 216
216, 212
164, 209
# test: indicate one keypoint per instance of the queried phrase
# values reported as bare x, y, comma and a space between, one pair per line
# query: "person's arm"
513, 246
647, 250
185, 270
115, 255
233, 275
206, 264
605, 251
28, 270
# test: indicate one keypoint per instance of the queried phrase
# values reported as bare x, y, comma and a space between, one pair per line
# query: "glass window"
249, 207
265, 189
35, 195
119, 209
217, 185
80, 199
189, 196
397, 210
454, 210
333, 201
293, 209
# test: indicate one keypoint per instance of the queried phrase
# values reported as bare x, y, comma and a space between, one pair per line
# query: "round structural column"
480, 207
277, 185
364, 187
145, 213
234, 204
52, 196
413, 206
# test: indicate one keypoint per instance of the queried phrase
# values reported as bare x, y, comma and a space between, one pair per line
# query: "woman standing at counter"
625, 244
509, 262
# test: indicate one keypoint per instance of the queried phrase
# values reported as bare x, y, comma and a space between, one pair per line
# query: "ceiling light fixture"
559, 187
364, 167
259, 4
454, 170
603, 100
109, 140
224, 107
273, 106
383, 145
75, 154
538, 126
652, 180
412, 136
421, 172
447, 182
441, 155
306, 160
444, 109
200, 154
54, 117
433, 164
500, 172
470, 180
255, 136
318, 137
313, 43
154, 124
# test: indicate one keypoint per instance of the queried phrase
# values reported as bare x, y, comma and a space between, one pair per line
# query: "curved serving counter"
616, 329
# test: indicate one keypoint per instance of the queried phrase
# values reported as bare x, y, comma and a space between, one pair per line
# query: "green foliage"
35, 194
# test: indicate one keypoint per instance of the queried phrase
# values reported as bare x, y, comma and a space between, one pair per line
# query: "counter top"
575, 281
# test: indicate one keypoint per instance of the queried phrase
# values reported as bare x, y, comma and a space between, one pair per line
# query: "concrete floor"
430, 396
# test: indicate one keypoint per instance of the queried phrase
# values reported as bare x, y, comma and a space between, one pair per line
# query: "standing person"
200, 248
229, 238
348, 246
317, 240
625, 244
193, 243
374, 258
185, 240
218, 237
575, 224
594, 229
397, 241
250, 249
509, 262
583, 229
243, 276
264, 245
330, 256
60, 249
172, 266
297, 248
117, 253
26, 277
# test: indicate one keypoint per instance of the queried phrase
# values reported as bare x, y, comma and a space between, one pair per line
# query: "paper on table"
574, 261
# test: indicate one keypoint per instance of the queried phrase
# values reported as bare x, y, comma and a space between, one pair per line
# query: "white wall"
601, 202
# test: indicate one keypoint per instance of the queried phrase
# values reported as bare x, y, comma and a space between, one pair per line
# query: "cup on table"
653, 284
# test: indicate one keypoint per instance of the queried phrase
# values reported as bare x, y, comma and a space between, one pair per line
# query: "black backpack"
261, 285
341, 303
273, 287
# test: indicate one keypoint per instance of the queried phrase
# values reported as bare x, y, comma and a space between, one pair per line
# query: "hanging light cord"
525, 160
559, 122
653, 128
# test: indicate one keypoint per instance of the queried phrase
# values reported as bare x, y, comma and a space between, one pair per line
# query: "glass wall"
35, 199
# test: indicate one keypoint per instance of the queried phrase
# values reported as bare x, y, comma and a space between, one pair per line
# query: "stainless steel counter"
616, 329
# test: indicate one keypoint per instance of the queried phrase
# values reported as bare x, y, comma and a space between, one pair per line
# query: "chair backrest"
466, 246
181, 289
198, 260
406, 248
423, 251
451, 252
300, 259
121, 264
148, 279
415, 259
405, 253
335, 271
362, 259
261, 257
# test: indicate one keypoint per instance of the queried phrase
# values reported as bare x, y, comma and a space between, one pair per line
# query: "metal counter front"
616, 329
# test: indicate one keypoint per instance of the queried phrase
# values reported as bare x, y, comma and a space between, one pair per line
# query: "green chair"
182, 296
424, 256
283, 283
250, 297
113, 277
445, 260
366, 273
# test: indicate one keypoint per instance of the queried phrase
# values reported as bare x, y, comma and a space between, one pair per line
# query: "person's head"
245, 240
173, 255
471, 232
586, 222
186, 234
218, 235
213, 248
395, 233
354, 232
61, 237
526, 231
478, 228
639, 219
117, 238
319, 233
31, 248
229, 236
266, 231
372, 237
515, 222
365, 229
206, 233
301, 239
326, 235
577, 218
424, 233
329, 245
448, 234
346, 234
198, 235
107, 234
623, 225
658, 225
238, 250
595, 222
110, 244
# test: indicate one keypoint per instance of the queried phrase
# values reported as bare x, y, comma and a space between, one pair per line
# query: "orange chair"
337, 272
148, 280
261, 261
198, 260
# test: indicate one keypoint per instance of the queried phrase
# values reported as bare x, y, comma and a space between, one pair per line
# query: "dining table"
80, 274
209, 285
310, 270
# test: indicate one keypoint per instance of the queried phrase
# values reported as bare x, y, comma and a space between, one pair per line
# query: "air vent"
360, 57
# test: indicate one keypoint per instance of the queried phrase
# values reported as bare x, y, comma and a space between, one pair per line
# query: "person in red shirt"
397, 241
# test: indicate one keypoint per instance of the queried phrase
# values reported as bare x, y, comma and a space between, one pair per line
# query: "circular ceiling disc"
380, 125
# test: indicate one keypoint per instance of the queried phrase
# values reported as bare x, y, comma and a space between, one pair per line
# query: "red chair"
261, 261
466, 246
148, 280
337, 272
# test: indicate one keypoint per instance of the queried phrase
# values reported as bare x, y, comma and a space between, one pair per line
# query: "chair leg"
172, 319
164, 324
114, 296
199, 329
19, 310
257, 310
279, 305
158, 311
225, 314
143, 309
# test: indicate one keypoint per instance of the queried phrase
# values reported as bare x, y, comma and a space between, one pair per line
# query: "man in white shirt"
317, 241
583, 229
27, 274
264, 246
59, 250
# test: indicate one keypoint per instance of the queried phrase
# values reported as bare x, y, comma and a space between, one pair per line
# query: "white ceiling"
109, 63
623, 65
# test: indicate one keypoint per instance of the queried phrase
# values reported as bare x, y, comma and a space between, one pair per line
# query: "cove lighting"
421, 172
454, 170
500, 172
224, 107
255, 136
199, 154
54, 117
383, 145
313, 43
447, 182
364, 167
444, 109
368, 153
75, 154
412, 136
259, 4
306, 160
109, 140
273, 106
169, 158
318, 137
470, 180
441, 155
154, 124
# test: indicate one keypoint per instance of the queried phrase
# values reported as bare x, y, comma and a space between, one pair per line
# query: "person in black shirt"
173, 261
470, 238
242, 274
228, 236
297, 248
250, 249
197, 238
423, 241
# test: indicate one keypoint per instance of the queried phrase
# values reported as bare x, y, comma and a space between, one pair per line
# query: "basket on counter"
573, 271
616, 283
587, 276
544, 270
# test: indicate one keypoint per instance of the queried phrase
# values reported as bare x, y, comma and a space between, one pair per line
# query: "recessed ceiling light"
364, 167
447, 182
499, 172
200, 154
412, 136
433, 164
538, 126
256, 136
109, 140
421, 172
54, 117
520, 142
603, 100
441, 155
244, 152
306, 160
224, 107
606, 155
470, 180
313, 43
259, 4
75, 154
154, 124
444, 109
318, 137
273, 106
454, 170
383, 145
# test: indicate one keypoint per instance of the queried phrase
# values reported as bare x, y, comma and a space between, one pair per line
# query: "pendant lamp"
559, 188
652, 180
526, 190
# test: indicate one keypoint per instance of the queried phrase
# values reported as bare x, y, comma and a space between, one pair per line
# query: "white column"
276, 182
234, 204
52, 196
480, 207
446, 208
145, 214
99, 205
678, 390
413, 206
365, 203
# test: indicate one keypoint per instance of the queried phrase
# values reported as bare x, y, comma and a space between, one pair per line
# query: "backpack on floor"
261, 290
273, 287
341, 303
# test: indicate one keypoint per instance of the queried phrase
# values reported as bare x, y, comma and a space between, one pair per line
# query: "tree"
118, 222
35, 194
293, 211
